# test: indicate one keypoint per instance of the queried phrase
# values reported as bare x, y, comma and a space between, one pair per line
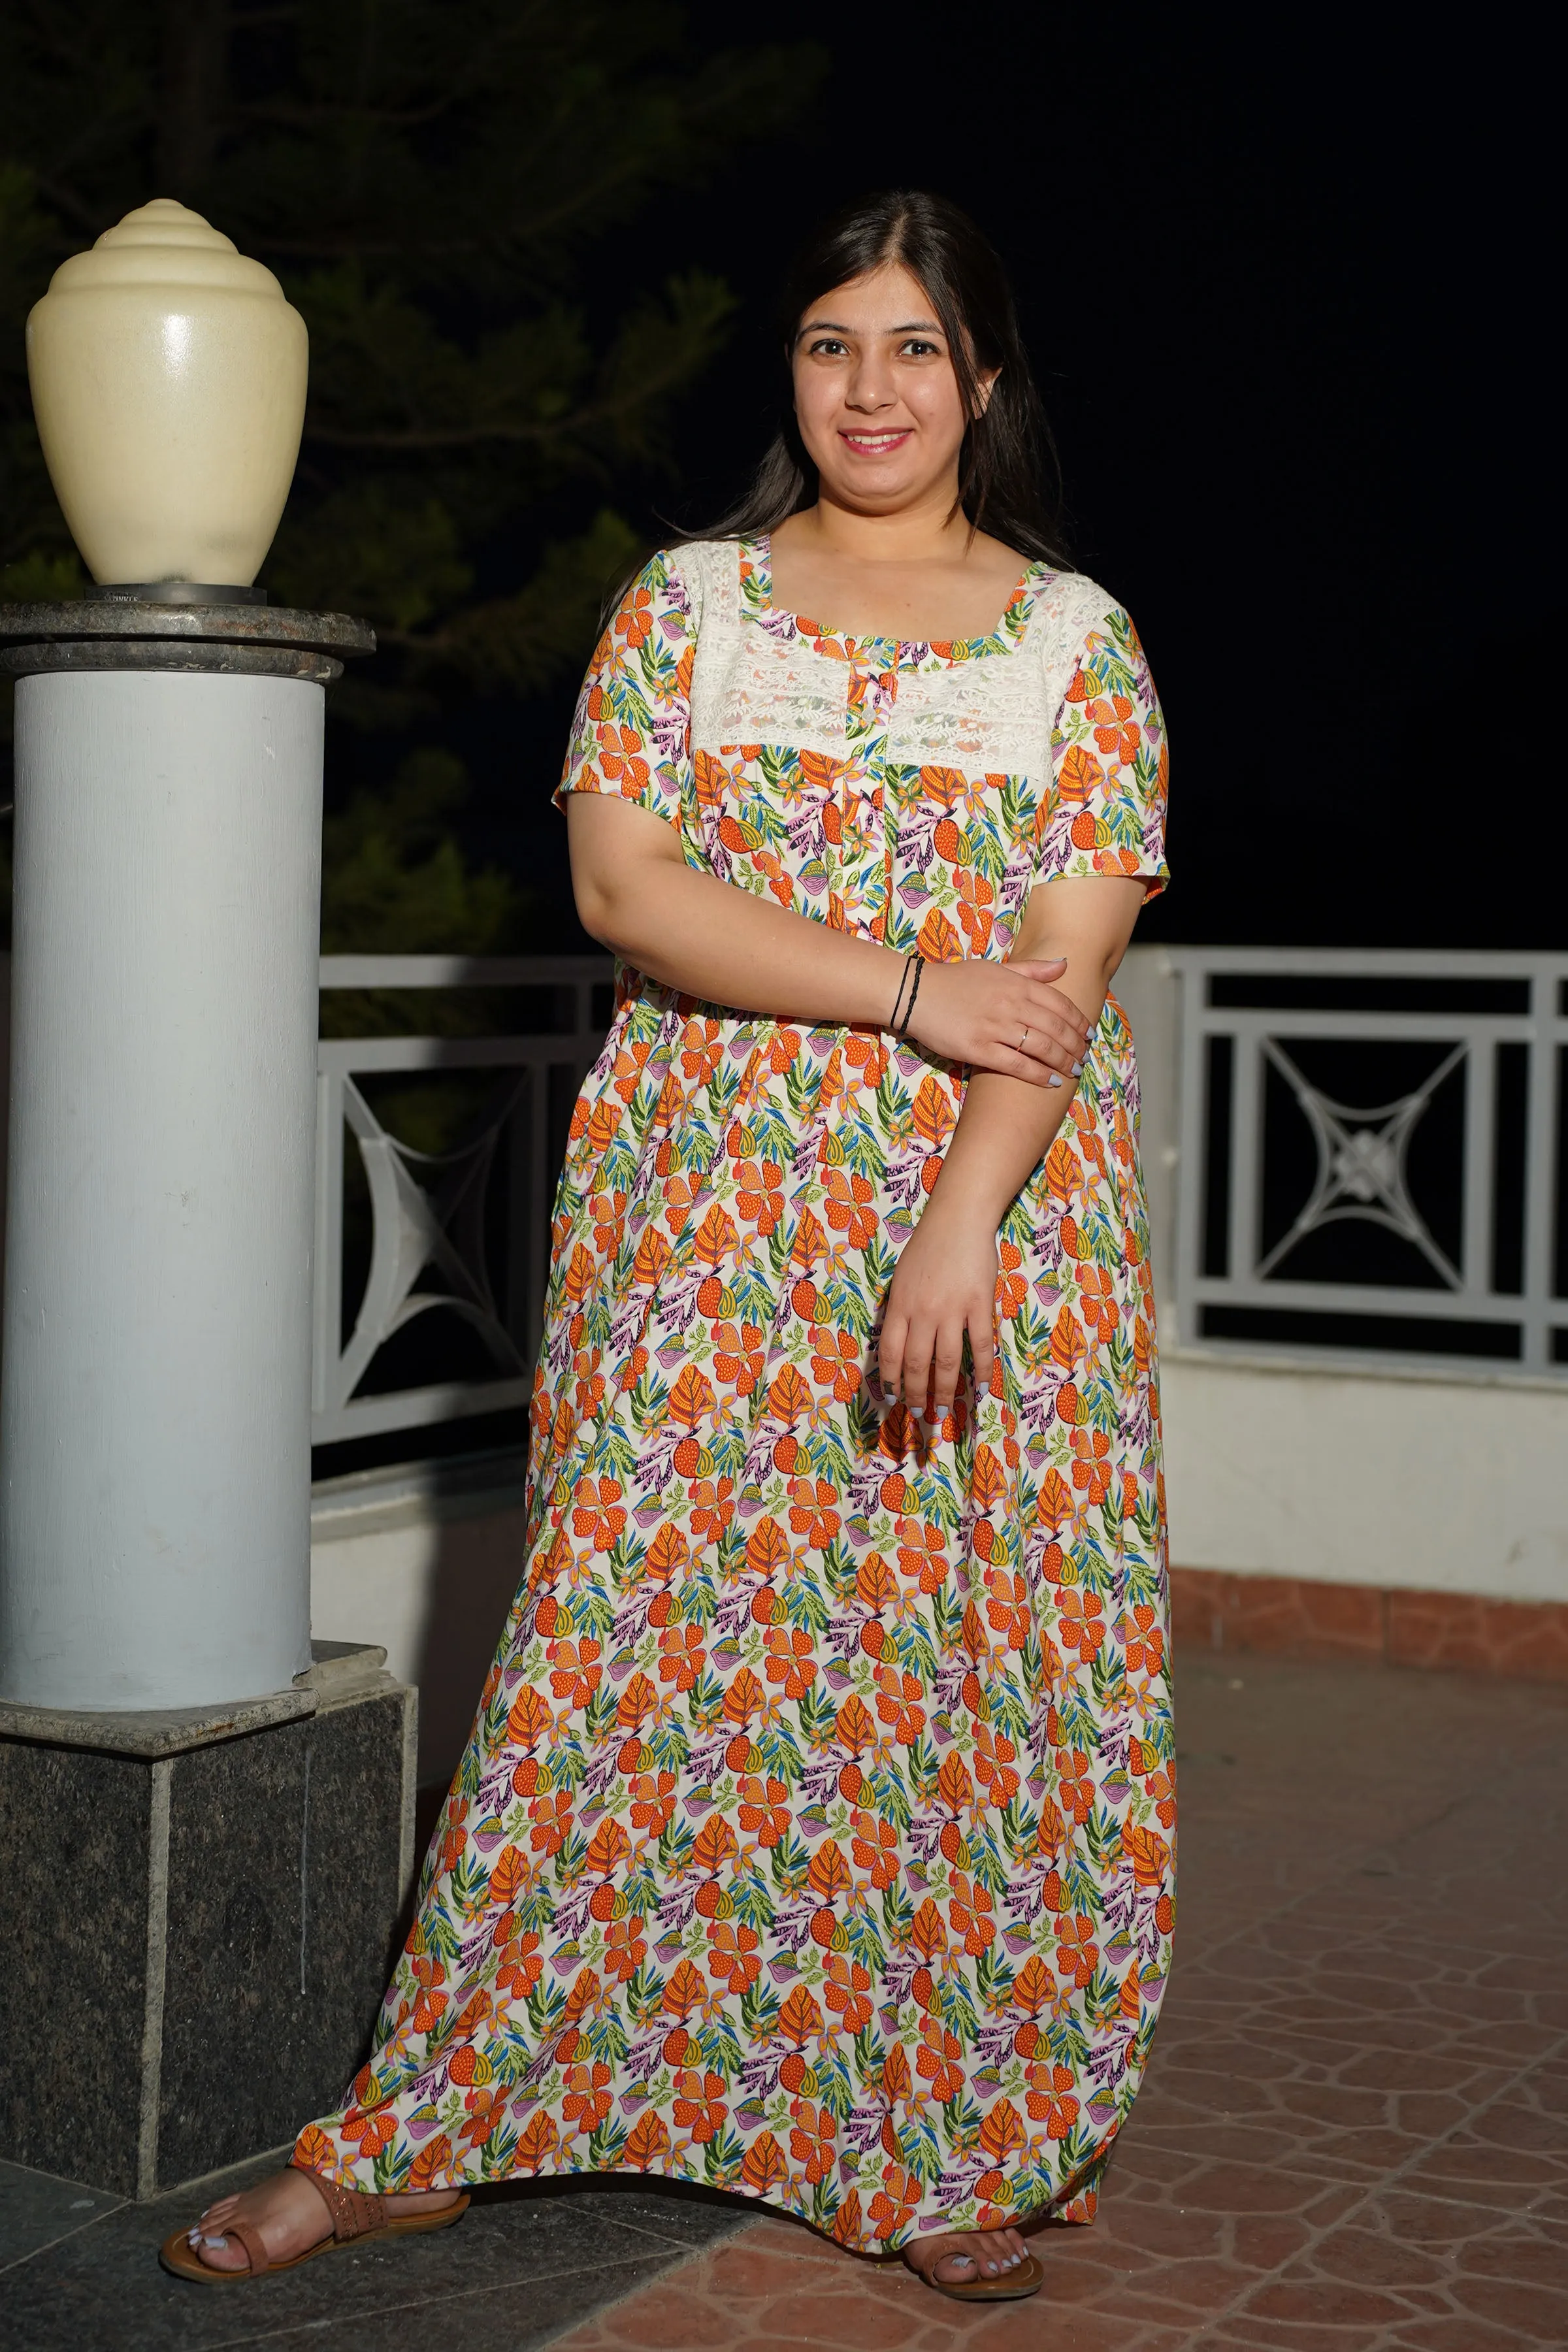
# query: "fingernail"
1077, 1069
1056, 1077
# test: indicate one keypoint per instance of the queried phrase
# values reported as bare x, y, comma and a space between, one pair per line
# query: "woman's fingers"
983, 1342
947, 1364
918, 1349
891, 1350
1033, 1073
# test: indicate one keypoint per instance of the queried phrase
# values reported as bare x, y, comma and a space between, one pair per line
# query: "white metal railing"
432, 1212
1235, 1240
1489, 1289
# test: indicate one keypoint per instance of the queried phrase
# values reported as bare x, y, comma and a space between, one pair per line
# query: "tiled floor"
1354, 2137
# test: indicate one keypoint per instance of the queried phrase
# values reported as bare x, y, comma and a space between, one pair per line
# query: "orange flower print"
874, 1847
846, 1993
634, 621
712, 1507
898, 1697
521, 1963
922, 1552
625, 1947
1077, 1954
891, 2208
1080, 1622
764, 1810
851, 1205
1077, 1784
813, 2137
811, 1511
1007, 1607
372, 2133
760, 1201
575, 1672
586, 2099
681, 1655
700, 2109
1145, 1642
792, 1658
653, 1801
972, 1913
937, 2059
835, 1363
598, 1514
1049, 2098
732, 1955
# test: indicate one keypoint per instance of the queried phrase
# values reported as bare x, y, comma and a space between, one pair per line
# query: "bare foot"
291, 2218
966, 2255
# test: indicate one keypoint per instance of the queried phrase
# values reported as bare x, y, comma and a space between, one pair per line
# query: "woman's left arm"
945, 1283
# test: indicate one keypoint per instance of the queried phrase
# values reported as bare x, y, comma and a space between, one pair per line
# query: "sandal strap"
354, 2214
254, 2244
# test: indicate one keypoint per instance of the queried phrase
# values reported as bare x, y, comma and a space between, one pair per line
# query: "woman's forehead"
885, 301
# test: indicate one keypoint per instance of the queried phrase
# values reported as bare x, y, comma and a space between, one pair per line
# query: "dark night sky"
1267, 295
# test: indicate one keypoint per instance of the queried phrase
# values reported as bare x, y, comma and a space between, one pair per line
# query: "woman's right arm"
705, 937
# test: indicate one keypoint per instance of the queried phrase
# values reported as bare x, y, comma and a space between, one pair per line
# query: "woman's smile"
877, 441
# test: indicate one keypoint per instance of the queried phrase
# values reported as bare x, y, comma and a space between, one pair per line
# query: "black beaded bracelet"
903, 984
903, 1027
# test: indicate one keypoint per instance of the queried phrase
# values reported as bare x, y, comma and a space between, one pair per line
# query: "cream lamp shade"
168, 380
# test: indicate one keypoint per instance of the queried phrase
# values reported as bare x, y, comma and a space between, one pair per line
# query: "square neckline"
756, 562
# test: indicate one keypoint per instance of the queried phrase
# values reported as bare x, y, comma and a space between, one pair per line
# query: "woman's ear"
984, 386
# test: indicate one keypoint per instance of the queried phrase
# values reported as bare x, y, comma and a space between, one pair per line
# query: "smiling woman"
812, 1837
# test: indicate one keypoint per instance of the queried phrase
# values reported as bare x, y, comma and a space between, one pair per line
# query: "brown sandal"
355, 2216
1011, 2286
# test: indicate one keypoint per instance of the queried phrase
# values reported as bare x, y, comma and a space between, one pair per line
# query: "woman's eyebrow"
835, 327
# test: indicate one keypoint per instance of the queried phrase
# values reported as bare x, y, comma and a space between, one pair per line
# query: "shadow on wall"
433, 1585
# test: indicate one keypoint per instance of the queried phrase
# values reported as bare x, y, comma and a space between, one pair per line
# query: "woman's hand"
1005, 1017
944, 1285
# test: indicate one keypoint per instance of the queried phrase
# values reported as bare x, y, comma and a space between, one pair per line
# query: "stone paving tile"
522, 2265
774, 2286
37, 2210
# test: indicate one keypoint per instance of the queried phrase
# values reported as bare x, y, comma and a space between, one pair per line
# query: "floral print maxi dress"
814, 1838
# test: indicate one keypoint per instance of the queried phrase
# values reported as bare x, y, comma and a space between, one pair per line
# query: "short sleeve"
1108, 764
631, 734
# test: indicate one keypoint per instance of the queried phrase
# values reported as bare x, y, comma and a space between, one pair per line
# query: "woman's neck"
915, 576
933, 529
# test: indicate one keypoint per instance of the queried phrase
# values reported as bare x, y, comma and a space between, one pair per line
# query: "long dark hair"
1009, 481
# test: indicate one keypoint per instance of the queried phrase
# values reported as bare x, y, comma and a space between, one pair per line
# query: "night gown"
814, 1836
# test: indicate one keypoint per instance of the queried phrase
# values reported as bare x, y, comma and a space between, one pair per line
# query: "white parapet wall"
1422, 1484
426, 1560
1409, 1477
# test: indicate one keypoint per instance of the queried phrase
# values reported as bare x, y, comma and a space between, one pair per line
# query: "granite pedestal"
198, 1911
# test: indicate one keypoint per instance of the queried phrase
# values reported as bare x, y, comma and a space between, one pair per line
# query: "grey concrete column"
154, 1394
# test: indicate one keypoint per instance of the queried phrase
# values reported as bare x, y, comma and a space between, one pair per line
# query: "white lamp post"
155, 1433
206, 1827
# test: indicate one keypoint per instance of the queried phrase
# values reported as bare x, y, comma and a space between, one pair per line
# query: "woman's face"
875, 397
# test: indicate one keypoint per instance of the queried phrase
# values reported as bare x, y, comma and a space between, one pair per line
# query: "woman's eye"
828, 344
918, 349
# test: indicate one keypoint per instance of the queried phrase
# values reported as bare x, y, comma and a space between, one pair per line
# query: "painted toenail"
214, 2241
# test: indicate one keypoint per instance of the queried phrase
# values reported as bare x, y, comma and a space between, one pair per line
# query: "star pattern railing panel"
435, 1216
1371, 1155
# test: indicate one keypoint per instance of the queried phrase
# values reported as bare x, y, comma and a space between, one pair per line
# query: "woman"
812, 1840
